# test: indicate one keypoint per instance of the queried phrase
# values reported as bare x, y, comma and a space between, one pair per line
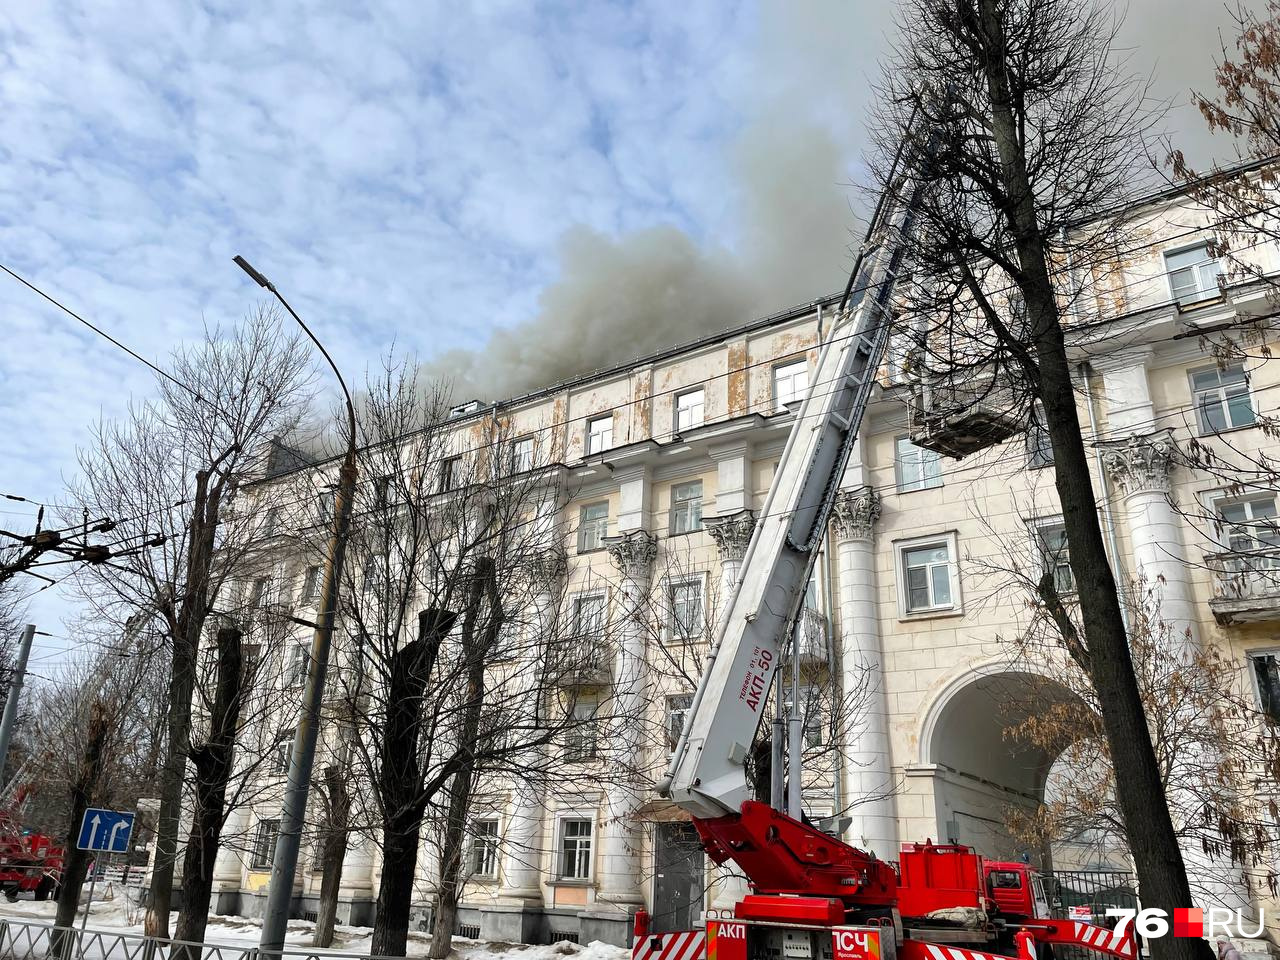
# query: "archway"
978, 772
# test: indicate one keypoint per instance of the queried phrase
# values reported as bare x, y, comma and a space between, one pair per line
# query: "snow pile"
120, 915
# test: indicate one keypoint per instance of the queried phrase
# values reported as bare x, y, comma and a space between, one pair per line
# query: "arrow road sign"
107, 831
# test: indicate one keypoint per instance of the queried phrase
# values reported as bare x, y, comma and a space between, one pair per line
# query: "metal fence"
23, 940
1086, 895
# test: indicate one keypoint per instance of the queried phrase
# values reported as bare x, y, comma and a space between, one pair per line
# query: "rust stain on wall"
642, 404
737, 379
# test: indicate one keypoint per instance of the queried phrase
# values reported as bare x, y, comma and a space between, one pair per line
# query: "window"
1039, 446
686, 507
264, 844
1221, 396
580, 736
271, 523
521, 454
589, 615
371, 576
575, 849
927, 578
1193, 274
1051, 540
1250, 523
295, 674
593, 526
1266, 673
1006, 880
789, 383
450, 473
918, 468
284, 749
484, 849
381, 492
250, 659
678, 707
260, 593
599, 433
685, 599
689, 406
311, 584
325, 501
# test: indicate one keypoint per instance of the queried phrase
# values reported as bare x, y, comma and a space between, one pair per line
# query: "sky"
512, 192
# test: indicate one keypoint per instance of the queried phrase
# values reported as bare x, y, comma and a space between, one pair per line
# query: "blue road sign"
107, 831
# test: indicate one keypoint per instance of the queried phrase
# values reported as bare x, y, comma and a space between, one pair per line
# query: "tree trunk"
186, 628
452, 851
400, 780
333, 852
1140, 791
75, 866
213, 764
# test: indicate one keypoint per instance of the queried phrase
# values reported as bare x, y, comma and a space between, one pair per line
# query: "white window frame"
673, 711
558, 872
599, 434
485, 847
260, 593
295, 670
669, 585
311, 583
259, 864
575, 605
789, 373
682, 507
690, 413
925, 482
522, 454
582, 526
1222, 400
449, 469
900, 547
283, 750
1205, 290
574, 751
1038, 527
1250, 656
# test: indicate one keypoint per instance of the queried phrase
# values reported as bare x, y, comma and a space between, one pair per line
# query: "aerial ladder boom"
707, 776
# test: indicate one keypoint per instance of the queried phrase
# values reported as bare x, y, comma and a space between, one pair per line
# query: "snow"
120, 915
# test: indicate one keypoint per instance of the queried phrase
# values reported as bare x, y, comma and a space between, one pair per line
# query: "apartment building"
669, 459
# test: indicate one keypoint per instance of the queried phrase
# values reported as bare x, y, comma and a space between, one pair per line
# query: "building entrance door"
679, 877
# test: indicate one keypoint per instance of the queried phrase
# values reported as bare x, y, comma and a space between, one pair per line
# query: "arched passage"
979, 772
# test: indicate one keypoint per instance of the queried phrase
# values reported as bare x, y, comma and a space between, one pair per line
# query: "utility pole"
284, 864
15, 690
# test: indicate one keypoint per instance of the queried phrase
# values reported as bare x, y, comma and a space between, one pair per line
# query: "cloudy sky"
513, 191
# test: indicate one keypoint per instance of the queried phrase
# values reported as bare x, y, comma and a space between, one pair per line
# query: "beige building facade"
669, 460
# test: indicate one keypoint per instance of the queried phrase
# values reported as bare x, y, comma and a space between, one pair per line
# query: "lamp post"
284, 865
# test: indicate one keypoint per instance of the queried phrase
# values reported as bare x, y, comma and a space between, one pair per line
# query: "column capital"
634, 553
547, 569
855, 513
731, 533
1141, 463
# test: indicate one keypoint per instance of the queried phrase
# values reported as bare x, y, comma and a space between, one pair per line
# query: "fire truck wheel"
11, 893
45, 889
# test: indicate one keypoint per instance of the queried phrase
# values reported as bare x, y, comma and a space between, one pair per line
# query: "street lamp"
284, 865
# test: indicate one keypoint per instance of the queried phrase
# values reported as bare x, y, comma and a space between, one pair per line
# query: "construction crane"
814, 895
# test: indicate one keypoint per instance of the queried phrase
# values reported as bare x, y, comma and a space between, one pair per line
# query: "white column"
522, 840
1141, 467
228, 866
619, 884
731, 533
868, 775
357, 869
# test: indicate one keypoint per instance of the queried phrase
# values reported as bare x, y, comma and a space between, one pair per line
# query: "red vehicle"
816, 897
28, 861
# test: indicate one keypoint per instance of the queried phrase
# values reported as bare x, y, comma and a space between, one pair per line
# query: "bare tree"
1017, 125
166, 474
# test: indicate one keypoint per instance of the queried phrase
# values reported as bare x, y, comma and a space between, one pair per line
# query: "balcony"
582, 662
814, 633
1246, 586
960, 417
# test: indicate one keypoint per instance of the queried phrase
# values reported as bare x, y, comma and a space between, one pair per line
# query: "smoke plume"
792, 167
